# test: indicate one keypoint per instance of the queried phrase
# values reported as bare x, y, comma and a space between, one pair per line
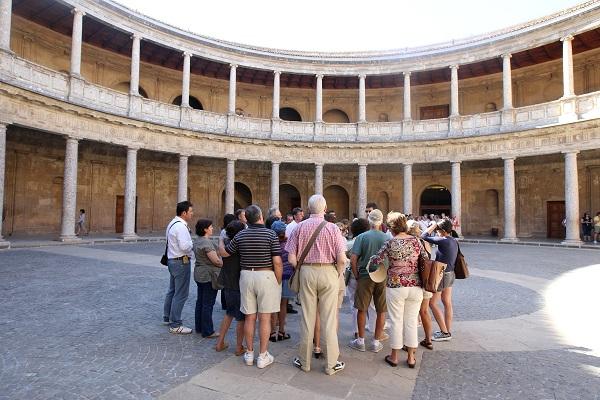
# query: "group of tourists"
257, 261
590, 227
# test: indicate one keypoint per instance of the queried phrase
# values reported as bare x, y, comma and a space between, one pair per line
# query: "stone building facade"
105, 109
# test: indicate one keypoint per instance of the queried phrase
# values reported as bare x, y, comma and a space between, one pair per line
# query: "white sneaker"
249, 358
180, 330
376, 346
264, 361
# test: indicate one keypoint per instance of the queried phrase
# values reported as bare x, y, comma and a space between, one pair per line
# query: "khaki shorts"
427, 295
366, 290
596, 229
260, 292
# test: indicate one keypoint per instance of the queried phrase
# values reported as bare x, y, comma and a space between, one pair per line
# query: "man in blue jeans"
179, 254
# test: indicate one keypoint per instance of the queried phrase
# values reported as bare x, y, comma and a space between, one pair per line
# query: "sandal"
282, 336
390, 362
273, 337
317, 352
224, 347
240, 352
426, 344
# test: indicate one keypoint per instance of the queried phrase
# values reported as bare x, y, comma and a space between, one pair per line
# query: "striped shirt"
328, 245
256, 246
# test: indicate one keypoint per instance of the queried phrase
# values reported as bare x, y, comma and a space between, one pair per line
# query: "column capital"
136, 36
455, 66
77, 11
186, 155
319, 76
509, 158
567, 38
275, 162
71, 139
233, 66
187, 53
407, 73
455, 162
231, 160
363, 165
407, 164
133, 148
362, 76
506, 55
570, 152
276, 72
319, 164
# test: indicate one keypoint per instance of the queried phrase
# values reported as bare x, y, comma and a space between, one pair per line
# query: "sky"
344, 25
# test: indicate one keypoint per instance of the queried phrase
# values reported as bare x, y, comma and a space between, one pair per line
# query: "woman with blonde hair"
404, 292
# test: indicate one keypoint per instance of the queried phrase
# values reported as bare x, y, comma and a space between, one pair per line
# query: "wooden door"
434, 112
119, 214
555, 217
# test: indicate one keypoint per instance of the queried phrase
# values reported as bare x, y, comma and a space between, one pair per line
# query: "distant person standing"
80, 228
298, 215
179, 254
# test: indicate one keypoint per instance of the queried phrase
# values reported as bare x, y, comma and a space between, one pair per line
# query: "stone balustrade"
30, 76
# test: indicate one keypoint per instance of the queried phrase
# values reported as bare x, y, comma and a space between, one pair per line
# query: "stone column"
230, 187
510, 224
76, 41
362, 190
185, 82
69, 198
5, 21
319, 179
130, 195
454, 91
232, 85
276, 93
407, 107
571, 198
319, 100
568, 88
507, 82
456, 195
135, 65
407, 189
3, 243
362, 103
182, 185
274, 184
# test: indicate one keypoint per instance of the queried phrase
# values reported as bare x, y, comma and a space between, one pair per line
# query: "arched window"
194, 102
336, 116
289, 197
337, 200
289, 114
124, 87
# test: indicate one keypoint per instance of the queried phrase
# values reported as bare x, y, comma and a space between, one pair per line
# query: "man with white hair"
319, 281
365, 246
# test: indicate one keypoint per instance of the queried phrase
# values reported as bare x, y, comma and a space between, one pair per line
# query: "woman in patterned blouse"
403, 293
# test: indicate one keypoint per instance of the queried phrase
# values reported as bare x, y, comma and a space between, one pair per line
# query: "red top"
328, 245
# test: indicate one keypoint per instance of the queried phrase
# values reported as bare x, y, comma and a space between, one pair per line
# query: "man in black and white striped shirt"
260, 281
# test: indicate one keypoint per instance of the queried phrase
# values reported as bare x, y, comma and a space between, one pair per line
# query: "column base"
129, 237
69, 238
4, 244
509, 239
572, 242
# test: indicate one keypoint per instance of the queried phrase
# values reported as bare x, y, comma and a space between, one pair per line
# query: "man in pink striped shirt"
319, 282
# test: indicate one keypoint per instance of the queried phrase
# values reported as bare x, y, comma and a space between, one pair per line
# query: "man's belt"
257, 269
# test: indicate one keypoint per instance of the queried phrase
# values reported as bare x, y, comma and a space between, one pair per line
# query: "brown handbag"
461, 270
431, 272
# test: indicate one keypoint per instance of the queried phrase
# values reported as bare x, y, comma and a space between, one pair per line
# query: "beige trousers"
319, 286
403, 309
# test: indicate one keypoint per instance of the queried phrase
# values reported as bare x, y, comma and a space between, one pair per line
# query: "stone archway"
336, 116
338, 200
289, 197
383, 202
242, 197
435, 199
194, 102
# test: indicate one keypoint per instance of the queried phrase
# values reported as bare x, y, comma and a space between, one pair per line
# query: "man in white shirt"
298, 217
179, 254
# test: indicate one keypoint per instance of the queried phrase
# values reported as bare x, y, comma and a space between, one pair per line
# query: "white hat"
377, 275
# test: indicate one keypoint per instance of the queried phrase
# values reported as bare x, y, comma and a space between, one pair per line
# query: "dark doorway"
436, 199
555, 217
435, 112
289, 114
289, 197
120, 214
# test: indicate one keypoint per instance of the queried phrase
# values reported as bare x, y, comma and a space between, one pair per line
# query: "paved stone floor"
83, 322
